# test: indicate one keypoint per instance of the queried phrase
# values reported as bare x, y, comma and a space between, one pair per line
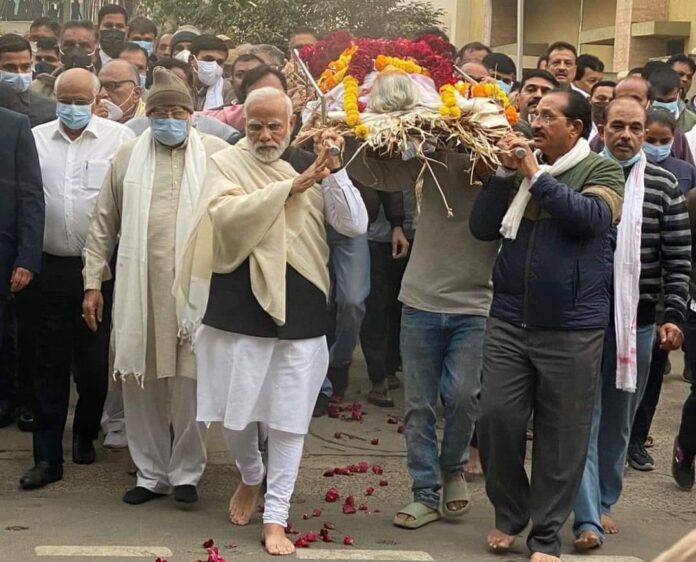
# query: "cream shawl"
245, 212
130, 289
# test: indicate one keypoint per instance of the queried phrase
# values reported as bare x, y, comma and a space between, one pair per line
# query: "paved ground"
85, 509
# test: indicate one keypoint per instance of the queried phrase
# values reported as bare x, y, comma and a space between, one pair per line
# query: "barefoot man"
259, 248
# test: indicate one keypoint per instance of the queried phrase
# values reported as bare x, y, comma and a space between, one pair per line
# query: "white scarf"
213, 95
130, 290
513, 217
627, 277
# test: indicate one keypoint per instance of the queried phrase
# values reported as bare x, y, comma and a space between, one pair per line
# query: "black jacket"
21, 198
38, 108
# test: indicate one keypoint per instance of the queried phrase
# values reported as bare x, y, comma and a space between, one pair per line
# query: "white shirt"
72, 174
104, 57
344, 208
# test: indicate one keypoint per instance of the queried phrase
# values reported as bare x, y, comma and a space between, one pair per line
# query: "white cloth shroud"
213, 95
130, 289
627, 267
513, 216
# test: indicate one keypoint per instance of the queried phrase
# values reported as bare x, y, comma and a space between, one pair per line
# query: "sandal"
421, 513
380, 399
456, 490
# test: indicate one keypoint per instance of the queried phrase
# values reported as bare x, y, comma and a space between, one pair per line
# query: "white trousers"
166, 442
284, 457
113, 419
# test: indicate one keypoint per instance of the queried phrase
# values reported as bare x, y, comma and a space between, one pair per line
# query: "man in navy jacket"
21, 222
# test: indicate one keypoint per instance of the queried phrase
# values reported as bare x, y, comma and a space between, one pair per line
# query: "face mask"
34, 47
114, 111
74, 117
599, 109
671, 106
505, 87
110, 41
183, 56
143, 81
147, 45
169, 131
18, 82
623, 163
43, 67
657, 152
76, 57
209, 72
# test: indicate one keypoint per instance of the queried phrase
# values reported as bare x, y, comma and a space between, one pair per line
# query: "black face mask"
111, 40
599, 109
76, 57
43, 67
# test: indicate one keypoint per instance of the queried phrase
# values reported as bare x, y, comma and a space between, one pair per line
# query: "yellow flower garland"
350, 101
336, 70
408, 66
489, 90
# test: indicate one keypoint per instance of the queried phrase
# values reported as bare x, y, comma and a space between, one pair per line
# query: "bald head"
625, 103
634, 87
119, 69
120, 84
77, 84
476, 70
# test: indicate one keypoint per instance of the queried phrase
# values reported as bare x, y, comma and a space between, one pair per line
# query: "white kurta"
244, 379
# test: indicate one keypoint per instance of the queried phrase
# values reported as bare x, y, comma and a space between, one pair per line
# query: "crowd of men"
153, 198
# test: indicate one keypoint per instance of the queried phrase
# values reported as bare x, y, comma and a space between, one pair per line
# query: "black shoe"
41, 475
25, 421
321, 407
339, 380
682, 467
139, 495
639, 458
83, 450
8, 412
186, 493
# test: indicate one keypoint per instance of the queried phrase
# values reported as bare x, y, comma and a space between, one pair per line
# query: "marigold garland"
350, 100
408, 66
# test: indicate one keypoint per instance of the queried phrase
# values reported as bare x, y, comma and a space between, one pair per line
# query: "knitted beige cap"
167, 89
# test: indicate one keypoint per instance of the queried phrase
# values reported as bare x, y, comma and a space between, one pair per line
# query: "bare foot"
473, 465
541, 557
243, 503
275, 540
499, 541
587, 540
609, 525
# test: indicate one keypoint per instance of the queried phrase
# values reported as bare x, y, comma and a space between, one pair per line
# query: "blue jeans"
612, 419
442, 356
350, 272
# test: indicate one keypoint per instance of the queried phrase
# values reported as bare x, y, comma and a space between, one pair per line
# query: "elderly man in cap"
146, 205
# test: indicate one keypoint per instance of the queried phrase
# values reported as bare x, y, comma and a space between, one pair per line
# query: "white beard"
268, 155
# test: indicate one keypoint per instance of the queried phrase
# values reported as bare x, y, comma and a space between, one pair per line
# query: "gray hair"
266, 94
96, 85
393, 91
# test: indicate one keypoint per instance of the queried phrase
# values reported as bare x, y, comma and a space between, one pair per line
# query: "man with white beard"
258, 246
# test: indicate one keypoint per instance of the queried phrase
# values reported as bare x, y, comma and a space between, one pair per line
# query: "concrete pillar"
629, 51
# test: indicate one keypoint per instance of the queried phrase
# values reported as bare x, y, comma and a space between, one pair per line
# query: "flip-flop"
422, 515
380, 399
456, 490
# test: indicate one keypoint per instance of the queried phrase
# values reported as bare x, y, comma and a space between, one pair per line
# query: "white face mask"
183, 56
209, 72
114, 112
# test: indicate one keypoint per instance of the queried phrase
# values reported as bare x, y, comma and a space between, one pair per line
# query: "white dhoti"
243, 380
166, 442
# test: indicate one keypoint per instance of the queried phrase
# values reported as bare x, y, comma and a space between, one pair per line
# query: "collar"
580, 91
104, 57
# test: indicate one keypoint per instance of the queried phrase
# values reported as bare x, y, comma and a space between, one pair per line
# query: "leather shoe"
7, 413
41, 475
82, 450
25, 421
138, 495
186, 493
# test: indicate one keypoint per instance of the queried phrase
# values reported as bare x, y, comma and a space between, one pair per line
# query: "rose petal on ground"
363, 507
337, 435
375, 441
328, 473
348, 509
328, 525
377, 469
209, 543
400, 429
331, 495
392, 420
305, 516
316, 512
311, 536
334, 410
369, 491
350, 500
326, 538
348, 540
302, 543
384, 483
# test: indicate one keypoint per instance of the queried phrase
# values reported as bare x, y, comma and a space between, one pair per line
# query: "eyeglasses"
546, 118
255, 127
180, 114
113, 85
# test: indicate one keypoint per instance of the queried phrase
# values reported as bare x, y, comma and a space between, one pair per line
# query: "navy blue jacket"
21, 198
683, 171
556, 274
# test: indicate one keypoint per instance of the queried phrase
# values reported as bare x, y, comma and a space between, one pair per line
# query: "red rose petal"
209, 543
384, 483
326, 538
400, 429
356, 415
369, 491
302, 543
311, 536
305, 516
362, 467
392, 420
375, 441
363, 507
377, 469
331, 495
348, 509
337, 435
329, 473
350, 500
316, 512
328, 525
334, 410
348, 540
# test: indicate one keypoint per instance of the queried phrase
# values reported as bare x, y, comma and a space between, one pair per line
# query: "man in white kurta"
259, 243
146, 205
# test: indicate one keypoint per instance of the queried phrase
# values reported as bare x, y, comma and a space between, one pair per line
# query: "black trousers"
646, 410
64, 344
687, 428
8, 354
381, 326
553, 373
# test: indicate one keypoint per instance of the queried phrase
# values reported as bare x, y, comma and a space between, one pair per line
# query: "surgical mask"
209, 72
183, 56
671, 106
143, 81
657, 152
43, 67
505, 87
76, 57
74, 117
18, 82
169, 131
114, 111
111, 40
147, 45
623, 163
34, 47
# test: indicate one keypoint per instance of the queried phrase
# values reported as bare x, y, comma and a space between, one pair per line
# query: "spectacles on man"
113, 85
178, 113
546, 118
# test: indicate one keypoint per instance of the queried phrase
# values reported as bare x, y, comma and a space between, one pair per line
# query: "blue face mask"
18, 82
623, 163
671, 106
147, 45
169, 131
74, 117
657, 152
505, 87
